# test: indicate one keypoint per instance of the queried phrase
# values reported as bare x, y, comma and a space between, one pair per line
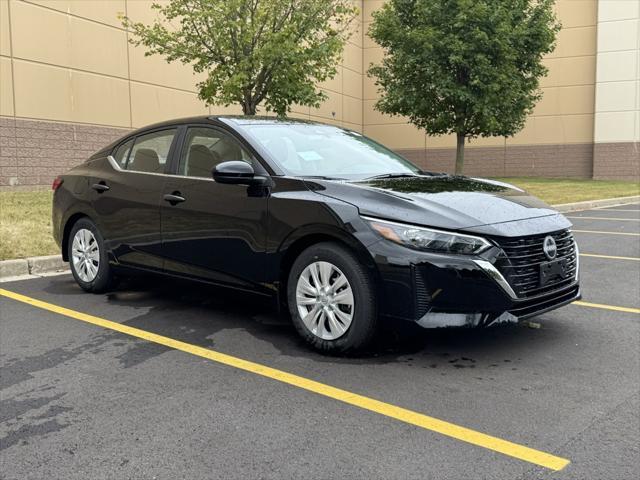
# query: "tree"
270, 52
469, 67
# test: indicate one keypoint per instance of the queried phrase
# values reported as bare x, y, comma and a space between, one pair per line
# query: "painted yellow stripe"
608, 218
606, 233
607, 307
612, 257
452, 430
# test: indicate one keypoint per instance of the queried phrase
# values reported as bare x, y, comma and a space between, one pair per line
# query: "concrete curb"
51, 263
14, 268
589, 204
25, 267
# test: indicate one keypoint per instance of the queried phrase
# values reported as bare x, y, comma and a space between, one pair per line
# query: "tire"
321, 330
100, 280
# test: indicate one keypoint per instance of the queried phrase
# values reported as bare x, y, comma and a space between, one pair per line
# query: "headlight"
429, 239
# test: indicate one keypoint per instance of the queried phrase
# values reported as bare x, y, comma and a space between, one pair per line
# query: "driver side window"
204, 148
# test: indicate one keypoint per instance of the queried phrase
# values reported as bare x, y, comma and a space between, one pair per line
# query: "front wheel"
88, 257
331, 299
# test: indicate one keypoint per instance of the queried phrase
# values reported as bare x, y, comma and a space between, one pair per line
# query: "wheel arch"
302, 240
71, 221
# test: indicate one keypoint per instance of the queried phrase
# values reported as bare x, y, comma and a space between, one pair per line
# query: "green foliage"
469, 67
254, 52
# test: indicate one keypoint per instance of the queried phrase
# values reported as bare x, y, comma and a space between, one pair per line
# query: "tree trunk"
248, 108
460, 137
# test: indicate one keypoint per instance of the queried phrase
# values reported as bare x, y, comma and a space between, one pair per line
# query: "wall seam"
126, 12
67, 122
99, 74
364, 72
13, 95
13, 70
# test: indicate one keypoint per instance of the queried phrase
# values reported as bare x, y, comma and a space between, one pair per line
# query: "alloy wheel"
324, 299
85, 255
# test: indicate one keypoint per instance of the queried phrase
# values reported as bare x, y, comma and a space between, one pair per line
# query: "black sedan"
340, 229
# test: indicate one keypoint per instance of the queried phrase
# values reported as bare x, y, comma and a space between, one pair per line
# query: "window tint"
150, 151
204, 148
122, 153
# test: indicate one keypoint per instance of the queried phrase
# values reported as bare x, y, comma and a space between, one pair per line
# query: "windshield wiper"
321, 177
391, 175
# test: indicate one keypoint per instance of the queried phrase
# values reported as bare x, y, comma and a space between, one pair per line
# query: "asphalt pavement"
84, 398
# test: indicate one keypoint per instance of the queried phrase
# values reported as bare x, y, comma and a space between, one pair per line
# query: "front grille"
535, 306
521, 264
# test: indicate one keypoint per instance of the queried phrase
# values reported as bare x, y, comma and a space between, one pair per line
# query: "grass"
25, 217
555, 191
25, 225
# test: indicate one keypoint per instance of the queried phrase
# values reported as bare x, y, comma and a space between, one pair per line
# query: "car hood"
450, 202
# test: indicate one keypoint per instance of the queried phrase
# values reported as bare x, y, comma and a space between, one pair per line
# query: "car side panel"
71, 199
129, 214
217, 234
296, 212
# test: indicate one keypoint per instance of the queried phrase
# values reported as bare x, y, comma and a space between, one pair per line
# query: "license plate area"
552, 271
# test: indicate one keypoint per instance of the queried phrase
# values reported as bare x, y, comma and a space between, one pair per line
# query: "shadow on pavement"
199, 314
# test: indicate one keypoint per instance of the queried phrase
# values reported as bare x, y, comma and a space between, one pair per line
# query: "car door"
128, 193
213, 231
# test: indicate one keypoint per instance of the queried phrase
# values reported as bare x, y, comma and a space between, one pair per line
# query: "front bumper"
437, 290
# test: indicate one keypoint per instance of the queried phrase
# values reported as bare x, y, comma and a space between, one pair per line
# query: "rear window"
149, 152
121, 155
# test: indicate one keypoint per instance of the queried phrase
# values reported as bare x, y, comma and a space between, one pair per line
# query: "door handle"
173, 198
100, 187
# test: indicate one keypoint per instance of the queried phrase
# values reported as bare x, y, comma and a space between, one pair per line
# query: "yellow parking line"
607, 307
612, 257
452, 430
607, 233
608, 218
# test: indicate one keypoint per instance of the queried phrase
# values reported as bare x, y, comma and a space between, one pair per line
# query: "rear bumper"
437, 290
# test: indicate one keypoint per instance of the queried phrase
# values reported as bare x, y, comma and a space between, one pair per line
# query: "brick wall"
617, 161
564, 160
33, 152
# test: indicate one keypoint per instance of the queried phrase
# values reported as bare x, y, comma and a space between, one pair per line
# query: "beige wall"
618, 84
69, 60
344, 104
565, 114
617, 99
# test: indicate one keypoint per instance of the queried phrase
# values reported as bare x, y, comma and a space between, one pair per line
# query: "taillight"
56, 183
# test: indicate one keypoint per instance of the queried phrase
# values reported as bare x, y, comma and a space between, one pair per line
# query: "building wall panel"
6, 87
330, 108
157, 71
100, 100
150, 103
577, 13
106, 12
5, 37
50, 45
397, 136
42, 91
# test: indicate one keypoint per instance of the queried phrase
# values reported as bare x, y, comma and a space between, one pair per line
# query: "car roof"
230, 120
227, 119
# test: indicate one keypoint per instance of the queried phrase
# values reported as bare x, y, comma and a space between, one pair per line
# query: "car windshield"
310, 150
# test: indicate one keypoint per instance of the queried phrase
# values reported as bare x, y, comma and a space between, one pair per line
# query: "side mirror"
236, 172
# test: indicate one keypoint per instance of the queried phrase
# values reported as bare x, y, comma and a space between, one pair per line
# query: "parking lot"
172, 380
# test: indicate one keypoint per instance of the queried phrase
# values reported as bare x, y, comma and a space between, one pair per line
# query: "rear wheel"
331, 299
88, 259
